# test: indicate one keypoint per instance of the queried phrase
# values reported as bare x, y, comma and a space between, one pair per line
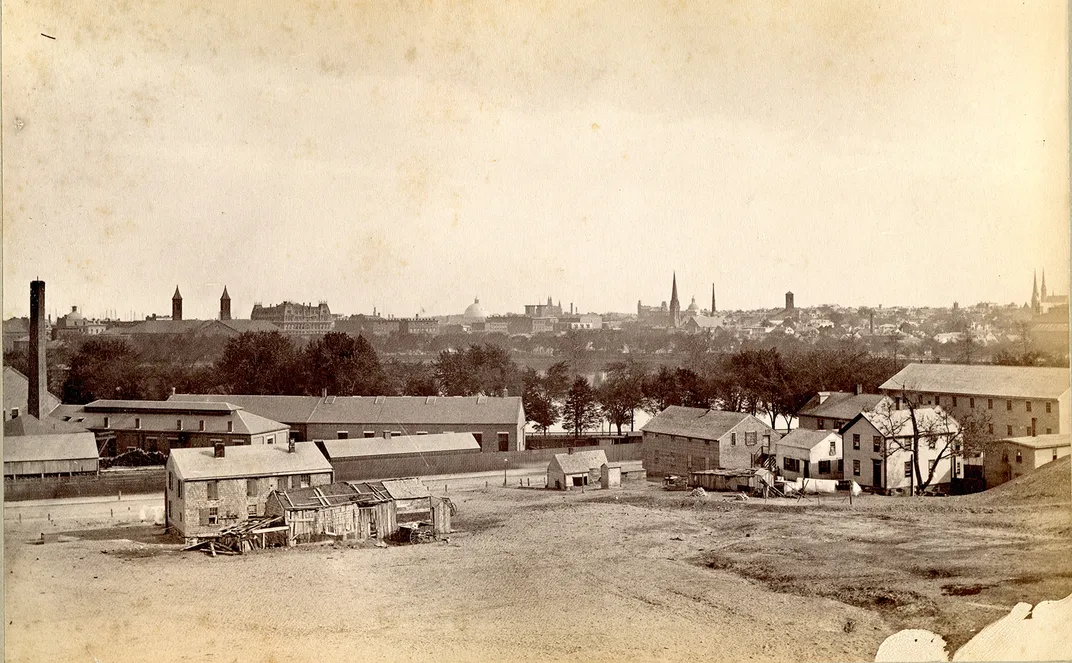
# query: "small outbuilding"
810, 454
754, 480
576, 469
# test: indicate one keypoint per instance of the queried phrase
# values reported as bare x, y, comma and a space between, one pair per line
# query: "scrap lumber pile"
240, 537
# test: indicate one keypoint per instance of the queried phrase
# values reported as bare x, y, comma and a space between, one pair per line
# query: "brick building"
1014, 401
295, 319
497, 423
166, 425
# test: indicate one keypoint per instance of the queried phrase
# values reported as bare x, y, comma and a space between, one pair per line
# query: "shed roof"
30, 425
64, 446
694, 422
840, 405
1041, 441
400, 445
802, 438
249, 461
405, 489
579, 462
390, 410
982, 380
328, 495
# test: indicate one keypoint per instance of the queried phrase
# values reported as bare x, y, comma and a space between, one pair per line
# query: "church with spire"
670, 316
1042, 301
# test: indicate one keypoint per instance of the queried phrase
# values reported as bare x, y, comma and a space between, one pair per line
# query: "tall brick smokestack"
38, 370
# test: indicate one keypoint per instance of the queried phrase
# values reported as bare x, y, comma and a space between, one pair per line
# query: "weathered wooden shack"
752, 480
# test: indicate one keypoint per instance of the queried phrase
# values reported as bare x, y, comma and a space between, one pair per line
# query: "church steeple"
1042, 296
1035, 303
675, 305
225, 305
176, 305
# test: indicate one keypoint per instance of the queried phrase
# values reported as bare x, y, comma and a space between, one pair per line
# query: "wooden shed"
48, 447
746, 480
333, 511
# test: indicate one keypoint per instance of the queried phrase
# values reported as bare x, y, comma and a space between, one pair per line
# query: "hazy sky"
414, 155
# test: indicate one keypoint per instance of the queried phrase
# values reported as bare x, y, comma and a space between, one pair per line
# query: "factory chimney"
38, 370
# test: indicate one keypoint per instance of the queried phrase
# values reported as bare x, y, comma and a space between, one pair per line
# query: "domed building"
693, 309
475, 312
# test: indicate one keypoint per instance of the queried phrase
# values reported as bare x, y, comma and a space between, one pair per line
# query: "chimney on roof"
324, 392
219, 450
38, 377
173, 391
569, 450
859, 389
290, 446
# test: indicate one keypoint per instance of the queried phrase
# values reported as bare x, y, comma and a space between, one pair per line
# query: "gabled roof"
982, 380
400, 445
17, 393
1041, 441
65, 446
579, 462
694, 422
26, 424
840, 405
256, 460
242, 326
802, 438
376, 410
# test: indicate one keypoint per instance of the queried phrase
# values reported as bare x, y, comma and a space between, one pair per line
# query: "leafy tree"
622, 392
410, 379
260, 363
343, 365
103, 368
480, 369
539, 404
580, 411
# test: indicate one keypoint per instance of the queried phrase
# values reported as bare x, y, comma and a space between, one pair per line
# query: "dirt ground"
631, 574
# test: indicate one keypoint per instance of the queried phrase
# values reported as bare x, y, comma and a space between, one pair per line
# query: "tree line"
763, 381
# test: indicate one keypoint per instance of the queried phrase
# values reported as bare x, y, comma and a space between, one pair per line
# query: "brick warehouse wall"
109, 482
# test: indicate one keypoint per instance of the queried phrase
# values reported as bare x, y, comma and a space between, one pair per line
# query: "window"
856, 441
1048, 407
422, 432
1019, 456
369, 433
971, 402
230, 426
733, 439
841, 467
1005, 456
201, 425
990, 403
137, 423
178, 424
170, 481
822, 424
1008, 430
766, 440
856, 468
304, 481
14, 413
990, 429
252, 487
213, 489
936, 398
1049, 431
824, 467
954, 401
876, 443
1028, 405
270, 439
180, 490
750, 438
931, 442
213, 515
504, 441
342, 434
792, 464
833, 447
396, 433
957, 471
387, 435
106, 422
1008, 405
1055, 454
907, 468
251, 510
479, 439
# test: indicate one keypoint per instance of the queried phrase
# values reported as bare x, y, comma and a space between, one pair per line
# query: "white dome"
693, 308
475, 311
73, 315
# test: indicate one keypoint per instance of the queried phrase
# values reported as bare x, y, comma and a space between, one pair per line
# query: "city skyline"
414, 158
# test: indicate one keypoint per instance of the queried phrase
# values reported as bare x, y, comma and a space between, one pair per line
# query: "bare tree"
928, 434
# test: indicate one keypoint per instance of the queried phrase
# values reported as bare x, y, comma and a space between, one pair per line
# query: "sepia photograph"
531, 330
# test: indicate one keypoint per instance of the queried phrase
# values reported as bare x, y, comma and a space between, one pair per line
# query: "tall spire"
1035, 293
675, 305
1043, 295
176, 305
713, 308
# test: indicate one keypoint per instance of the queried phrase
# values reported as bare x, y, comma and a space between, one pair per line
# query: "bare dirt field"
632, 574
